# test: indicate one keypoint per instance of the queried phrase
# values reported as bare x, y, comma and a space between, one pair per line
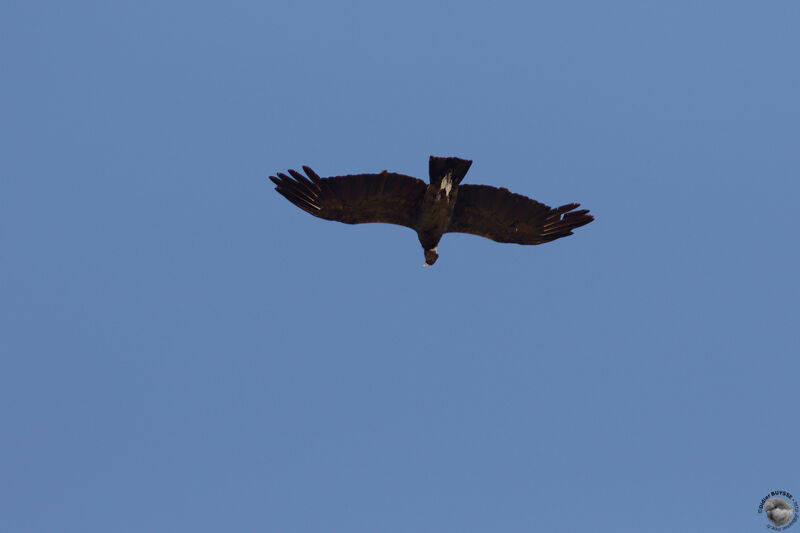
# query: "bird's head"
430, 256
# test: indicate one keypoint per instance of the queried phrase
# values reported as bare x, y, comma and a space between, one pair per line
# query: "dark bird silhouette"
442, 206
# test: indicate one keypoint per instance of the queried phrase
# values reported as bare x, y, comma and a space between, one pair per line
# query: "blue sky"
184, 350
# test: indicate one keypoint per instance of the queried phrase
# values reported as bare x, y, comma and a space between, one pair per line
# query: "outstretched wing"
503, 216
384, 197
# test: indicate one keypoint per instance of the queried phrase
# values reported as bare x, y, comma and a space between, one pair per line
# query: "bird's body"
439, 202
442, 206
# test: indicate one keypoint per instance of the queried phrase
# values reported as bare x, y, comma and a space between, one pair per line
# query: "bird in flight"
442, 206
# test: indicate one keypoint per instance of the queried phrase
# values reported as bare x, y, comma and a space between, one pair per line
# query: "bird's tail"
439, 167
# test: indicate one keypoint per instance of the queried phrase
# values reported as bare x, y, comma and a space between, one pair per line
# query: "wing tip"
298, 189
564, 219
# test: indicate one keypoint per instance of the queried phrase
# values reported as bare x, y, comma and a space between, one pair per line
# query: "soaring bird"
442, 206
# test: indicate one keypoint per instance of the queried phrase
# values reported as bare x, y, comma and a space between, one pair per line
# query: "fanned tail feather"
438, 167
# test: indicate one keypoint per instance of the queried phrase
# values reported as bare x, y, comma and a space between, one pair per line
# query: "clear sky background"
184, 350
